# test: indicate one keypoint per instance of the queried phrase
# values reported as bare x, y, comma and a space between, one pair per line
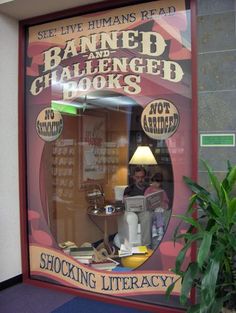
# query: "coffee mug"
109, 209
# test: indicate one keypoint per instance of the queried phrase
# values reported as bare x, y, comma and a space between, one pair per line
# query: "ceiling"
23, 9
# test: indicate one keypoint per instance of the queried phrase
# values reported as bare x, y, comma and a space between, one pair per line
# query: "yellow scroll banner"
63, 269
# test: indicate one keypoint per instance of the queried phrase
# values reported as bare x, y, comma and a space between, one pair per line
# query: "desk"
105, 216
135, 260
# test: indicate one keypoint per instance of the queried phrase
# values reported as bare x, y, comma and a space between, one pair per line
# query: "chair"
128, 226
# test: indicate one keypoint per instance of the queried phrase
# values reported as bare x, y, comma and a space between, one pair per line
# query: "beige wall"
10, 260
69, 219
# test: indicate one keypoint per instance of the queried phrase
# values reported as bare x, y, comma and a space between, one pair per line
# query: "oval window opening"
91, 178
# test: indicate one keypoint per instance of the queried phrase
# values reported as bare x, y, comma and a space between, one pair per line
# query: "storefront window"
98, 87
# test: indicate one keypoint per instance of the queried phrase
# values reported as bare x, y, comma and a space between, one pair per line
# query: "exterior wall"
216, 79
216, 105
10, 261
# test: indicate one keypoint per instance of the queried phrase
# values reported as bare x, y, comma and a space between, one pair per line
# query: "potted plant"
213, 272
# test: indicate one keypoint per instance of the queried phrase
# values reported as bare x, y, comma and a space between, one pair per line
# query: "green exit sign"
217, 140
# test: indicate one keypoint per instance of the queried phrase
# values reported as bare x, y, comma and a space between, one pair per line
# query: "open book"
127, 250
143, 203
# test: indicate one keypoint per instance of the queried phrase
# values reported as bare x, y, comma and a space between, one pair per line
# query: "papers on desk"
126, 250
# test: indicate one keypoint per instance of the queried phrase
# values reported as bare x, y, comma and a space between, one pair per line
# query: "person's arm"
127, 192
165, 201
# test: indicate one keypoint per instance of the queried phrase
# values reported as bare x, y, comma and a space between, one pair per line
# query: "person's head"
139, 176
157, 180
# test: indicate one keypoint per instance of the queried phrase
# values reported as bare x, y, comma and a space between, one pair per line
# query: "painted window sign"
98, 86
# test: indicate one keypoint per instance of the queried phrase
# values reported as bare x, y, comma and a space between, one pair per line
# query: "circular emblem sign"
160, 119
49, 124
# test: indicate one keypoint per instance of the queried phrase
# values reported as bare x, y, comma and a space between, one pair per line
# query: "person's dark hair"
158, 177
140, 169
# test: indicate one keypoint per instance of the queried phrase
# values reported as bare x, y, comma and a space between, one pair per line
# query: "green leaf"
208, 284
186, 236
218, 253
171, 287
227, 264
177, 230
204, 248
202, 200
169, 290
232, 240
192, 202
231, 178
225, 181
225, 197
181, 256
211, 222
194, 186
188, 280
216, 306
231, 210
213, 179
189, 220
216, 209
214, 229
229, 166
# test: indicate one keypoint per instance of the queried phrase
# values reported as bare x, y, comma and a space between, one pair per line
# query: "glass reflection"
84, 174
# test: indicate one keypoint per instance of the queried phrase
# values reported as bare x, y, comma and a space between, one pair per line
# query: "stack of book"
107, 264
67, 245
84, 255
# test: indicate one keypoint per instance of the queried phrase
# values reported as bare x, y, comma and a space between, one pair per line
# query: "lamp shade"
143, 156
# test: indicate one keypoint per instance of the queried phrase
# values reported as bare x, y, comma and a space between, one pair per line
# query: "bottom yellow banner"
62, 268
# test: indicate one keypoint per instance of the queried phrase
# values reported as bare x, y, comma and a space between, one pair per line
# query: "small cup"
109, 209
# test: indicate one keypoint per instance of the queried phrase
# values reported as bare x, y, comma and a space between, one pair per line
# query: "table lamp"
143, 156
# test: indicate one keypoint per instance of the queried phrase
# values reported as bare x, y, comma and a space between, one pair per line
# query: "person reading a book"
138, 189
158, 222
